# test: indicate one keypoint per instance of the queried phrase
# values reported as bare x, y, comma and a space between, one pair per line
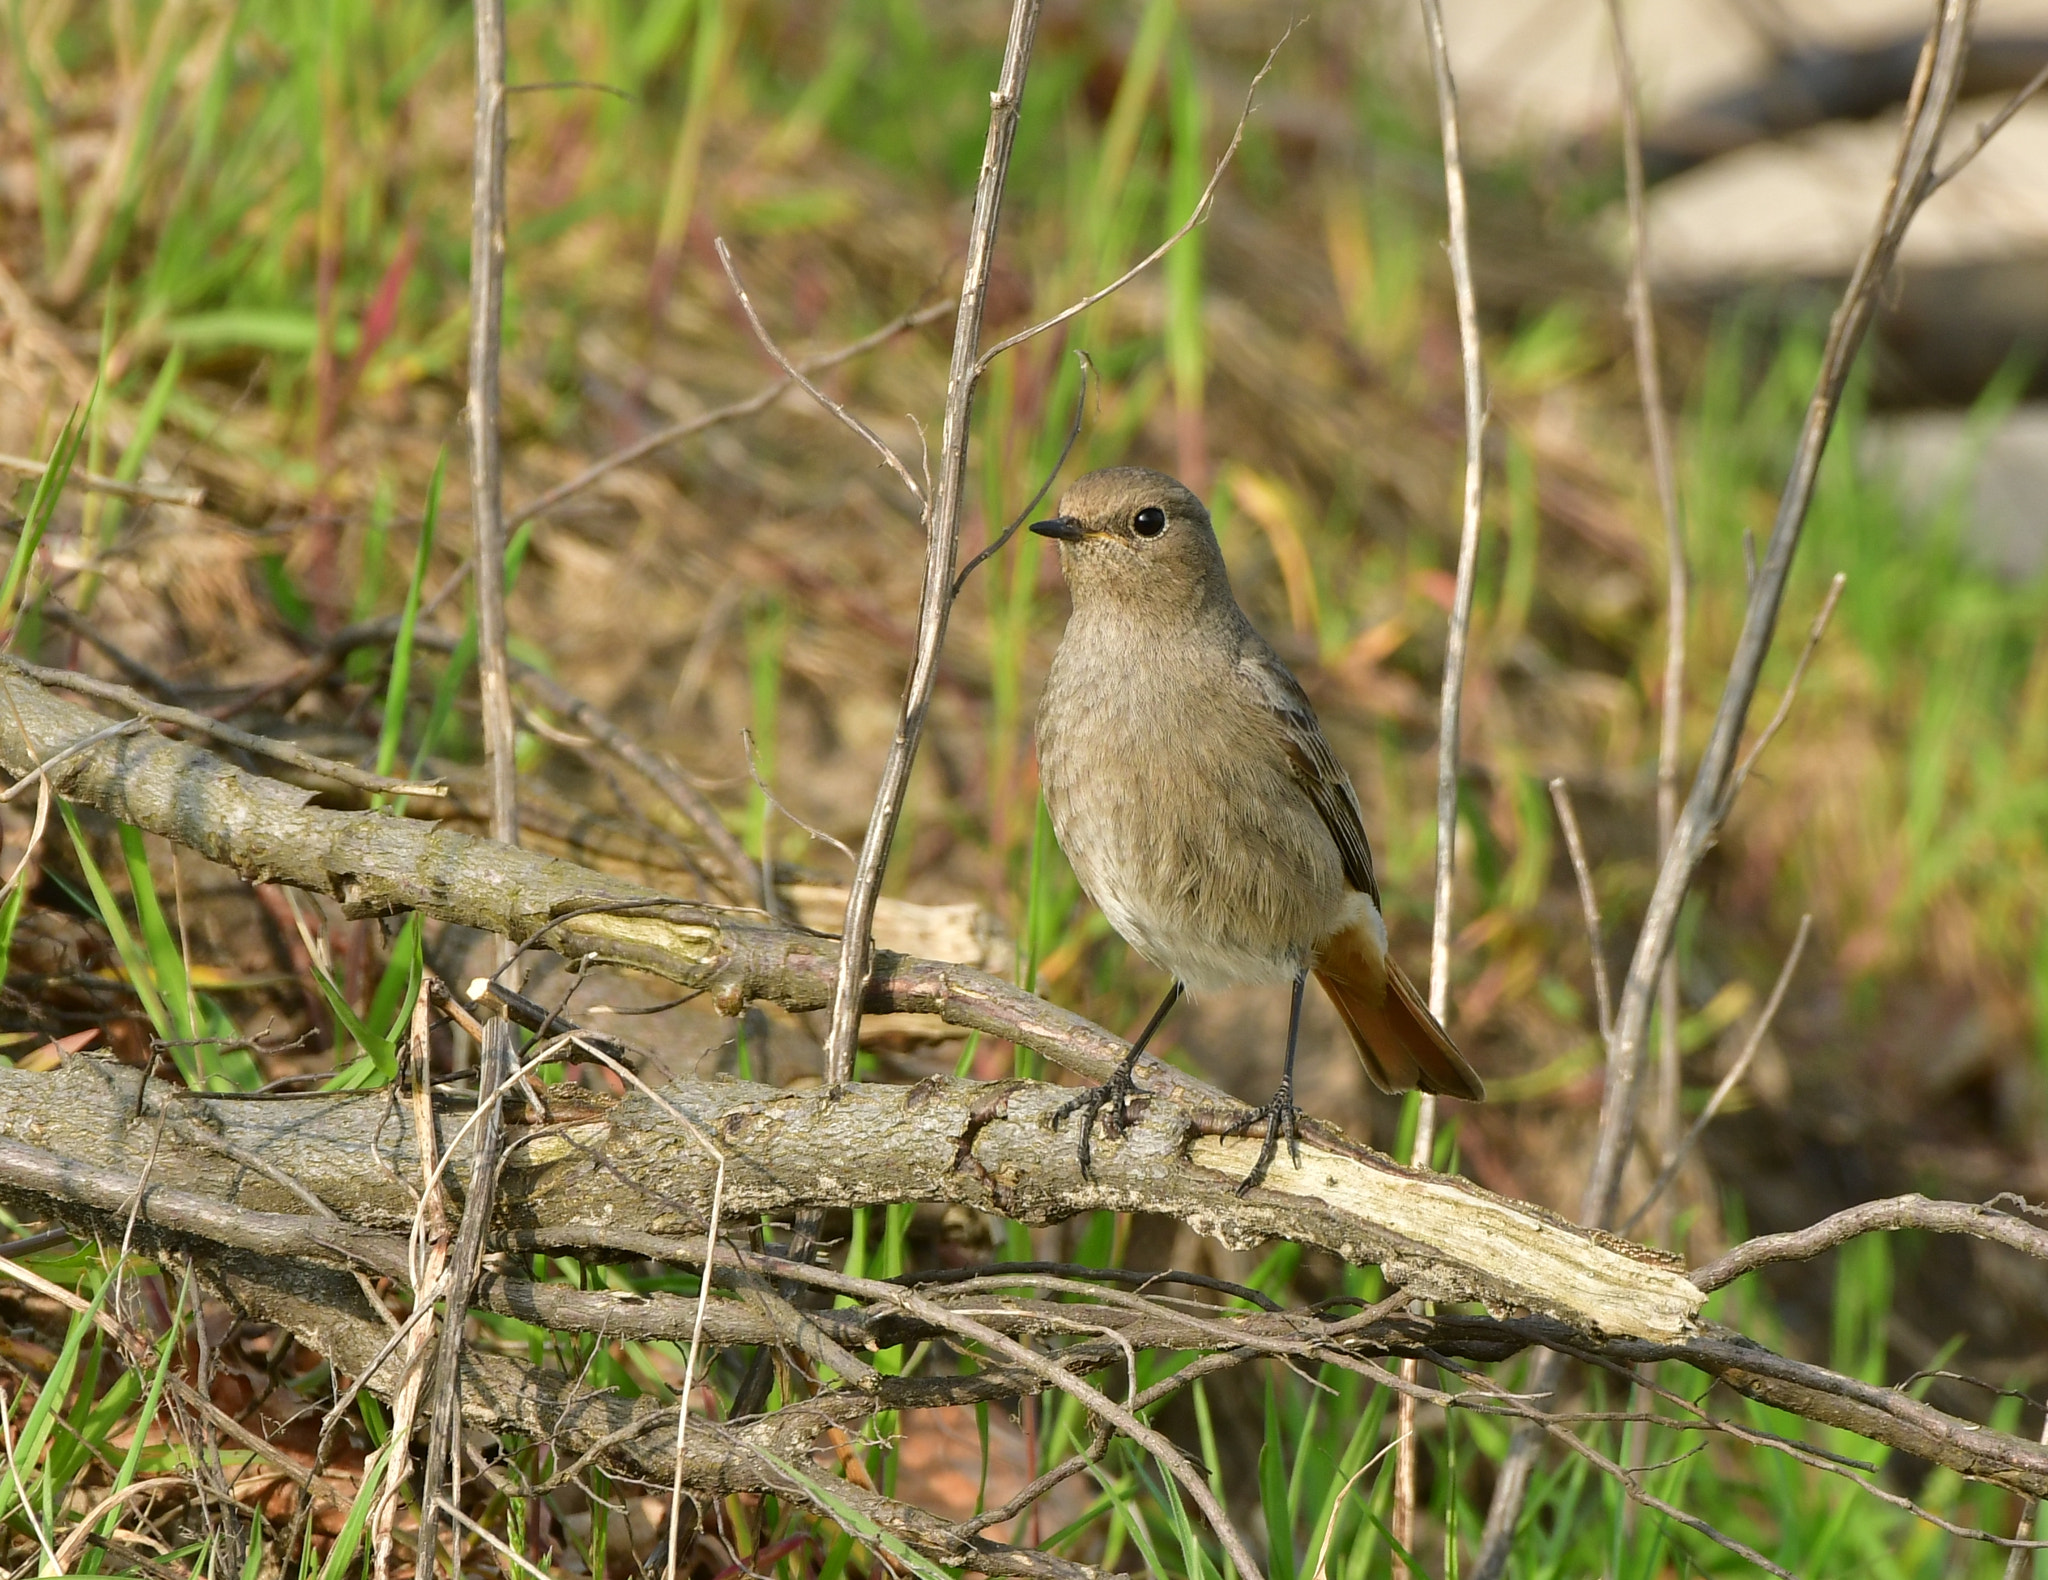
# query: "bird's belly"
1214, 870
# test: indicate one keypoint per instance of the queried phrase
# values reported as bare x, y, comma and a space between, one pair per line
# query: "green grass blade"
342, 1555
851, 1519
166, 958
1273, 1491
131, 1462
43, 504
10, 915
34, 1432
401, 652
134, 960
391, 1003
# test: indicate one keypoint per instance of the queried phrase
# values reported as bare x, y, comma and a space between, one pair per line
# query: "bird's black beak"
1065, 528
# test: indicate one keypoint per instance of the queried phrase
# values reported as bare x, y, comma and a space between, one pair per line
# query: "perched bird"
1200, 806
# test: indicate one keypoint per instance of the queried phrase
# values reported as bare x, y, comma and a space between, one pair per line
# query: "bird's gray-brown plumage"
1192, 789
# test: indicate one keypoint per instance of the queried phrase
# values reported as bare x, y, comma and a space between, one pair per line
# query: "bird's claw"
1281, 1117
1115, 1094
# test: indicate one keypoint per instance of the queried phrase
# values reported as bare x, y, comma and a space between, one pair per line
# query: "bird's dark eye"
1149, 522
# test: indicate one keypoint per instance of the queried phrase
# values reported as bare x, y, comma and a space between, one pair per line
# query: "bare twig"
1451, 700
1813, 636
486, 489
1589, 904
76, 748
486, 478
997, 545
759, 401
760, 784
1199, 213
942, 545
1736, 1072
150, 493
1927, 112
1897, 1212
790, 370
226, 734
1650, 381
1631, 1482
1987, 130
745, 882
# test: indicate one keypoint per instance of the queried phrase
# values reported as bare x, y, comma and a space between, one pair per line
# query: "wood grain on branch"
603, 1173
618, 1178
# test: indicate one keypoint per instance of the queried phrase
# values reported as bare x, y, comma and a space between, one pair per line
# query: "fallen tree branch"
227, 734
605, 1174
615, 1179
377, 865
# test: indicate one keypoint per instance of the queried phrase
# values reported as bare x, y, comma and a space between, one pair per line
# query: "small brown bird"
1199, 804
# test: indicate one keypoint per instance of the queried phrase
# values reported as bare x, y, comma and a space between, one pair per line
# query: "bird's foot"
1114, 1094
1281, 1118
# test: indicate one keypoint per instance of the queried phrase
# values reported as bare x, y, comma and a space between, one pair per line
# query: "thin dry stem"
486, 486
1650, 380
781, 358
759, 401
1589, 905
1736, 1072
92, 482
1893, 1213
1195, 217
1927, 112
1989, 129
1814, 633
942, 546
429, 1269
1451, 701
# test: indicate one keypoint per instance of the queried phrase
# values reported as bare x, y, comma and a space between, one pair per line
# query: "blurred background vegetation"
249, 223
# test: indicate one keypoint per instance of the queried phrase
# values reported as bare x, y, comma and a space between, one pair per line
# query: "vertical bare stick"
427, 1274
2016, 1561
1657, 425
942, 547
1453, 696
1927, 112
1736, 1072
486, 310
486, 484
1589, 904
1928, 107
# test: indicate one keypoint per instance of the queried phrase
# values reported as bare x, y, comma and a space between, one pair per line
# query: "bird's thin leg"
1116, 1092
1280, 1114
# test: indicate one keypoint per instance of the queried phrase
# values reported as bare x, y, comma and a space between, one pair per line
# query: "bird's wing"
1328, 786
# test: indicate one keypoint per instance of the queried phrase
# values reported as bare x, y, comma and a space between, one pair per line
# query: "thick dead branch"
618, 1178
227, 734
379, 865
603, 1175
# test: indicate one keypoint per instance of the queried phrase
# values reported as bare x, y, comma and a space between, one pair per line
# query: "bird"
1201, 808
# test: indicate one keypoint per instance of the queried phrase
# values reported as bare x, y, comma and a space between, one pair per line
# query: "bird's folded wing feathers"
1328, 786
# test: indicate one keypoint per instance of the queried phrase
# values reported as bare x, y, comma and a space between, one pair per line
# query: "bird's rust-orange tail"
1390, 1026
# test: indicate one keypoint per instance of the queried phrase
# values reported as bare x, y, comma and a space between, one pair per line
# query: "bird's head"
1136, 539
